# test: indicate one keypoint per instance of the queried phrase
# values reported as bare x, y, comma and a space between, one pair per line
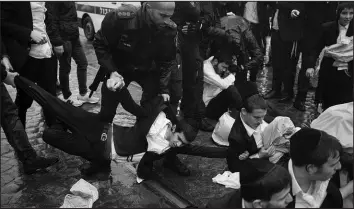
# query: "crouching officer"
136, 44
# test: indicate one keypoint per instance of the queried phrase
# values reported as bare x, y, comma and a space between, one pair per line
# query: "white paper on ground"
230, 180
84, 195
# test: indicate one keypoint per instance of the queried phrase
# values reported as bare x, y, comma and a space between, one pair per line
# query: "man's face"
278, 200
327, 170
161, 12
255, 118
346, 16
222, 67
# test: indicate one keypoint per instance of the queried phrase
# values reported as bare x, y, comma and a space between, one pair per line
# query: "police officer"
136, 44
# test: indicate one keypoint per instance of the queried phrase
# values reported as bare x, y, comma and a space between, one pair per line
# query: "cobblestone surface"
48, 189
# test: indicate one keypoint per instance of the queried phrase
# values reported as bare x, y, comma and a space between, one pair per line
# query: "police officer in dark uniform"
195, 22
136, 44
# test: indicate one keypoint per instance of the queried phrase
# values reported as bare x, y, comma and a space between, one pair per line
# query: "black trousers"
149, 82
284, 64
14, 131
73, 49
193, 75
226, 99
146, 163
303, 84
42, 72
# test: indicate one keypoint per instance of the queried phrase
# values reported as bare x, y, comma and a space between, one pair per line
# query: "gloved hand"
192, 28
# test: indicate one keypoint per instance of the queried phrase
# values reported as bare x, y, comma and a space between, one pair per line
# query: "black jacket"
239, 142
16, 28
65, 25
132, 43
2, 53
229, 200
241, 33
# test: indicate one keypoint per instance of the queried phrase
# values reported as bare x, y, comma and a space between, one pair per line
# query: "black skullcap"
256, 170
305, 141
247, 89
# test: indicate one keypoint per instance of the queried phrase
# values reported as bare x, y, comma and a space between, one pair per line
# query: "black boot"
174, 164
18, 139
205, 125
144, 169
96, 167
31, 166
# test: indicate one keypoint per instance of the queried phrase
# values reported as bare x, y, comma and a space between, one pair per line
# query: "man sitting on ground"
265, 185
315, 158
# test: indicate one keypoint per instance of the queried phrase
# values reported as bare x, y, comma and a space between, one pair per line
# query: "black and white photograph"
176, 104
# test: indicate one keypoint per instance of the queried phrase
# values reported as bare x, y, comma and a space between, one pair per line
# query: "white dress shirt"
313, 198
250, 12
256, 133
40, 51
342, 33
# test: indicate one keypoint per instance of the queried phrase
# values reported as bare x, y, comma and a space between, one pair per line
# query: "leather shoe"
96, 167
272, 94
177, 166
31, 166
206, 126
300, 106
286, 99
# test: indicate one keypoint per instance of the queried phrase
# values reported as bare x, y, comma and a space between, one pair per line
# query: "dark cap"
256, 170
247, 89
305, 140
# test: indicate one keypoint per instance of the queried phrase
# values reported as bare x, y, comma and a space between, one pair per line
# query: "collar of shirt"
295, 186
243, 203
341, 27
250, 131
314, 196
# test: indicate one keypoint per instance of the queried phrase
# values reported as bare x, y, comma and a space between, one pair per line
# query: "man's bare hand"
244, 155
59, 50
38, 37
115, 82
6, 62
165, 97
9, 80
310, 72
266, 153
295, 13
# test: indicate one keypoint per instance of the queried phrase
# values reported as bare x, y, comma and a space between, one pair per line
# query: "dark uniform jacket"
204, 13
128, 42
240, 31
65, 25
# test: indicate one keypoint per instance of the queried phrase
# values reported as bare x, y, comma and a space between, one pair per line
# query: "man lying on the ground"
264, 185
84, 138
315, 158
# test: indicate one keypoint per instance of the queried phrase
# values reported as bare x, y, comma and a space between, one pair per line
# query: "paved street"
48, 189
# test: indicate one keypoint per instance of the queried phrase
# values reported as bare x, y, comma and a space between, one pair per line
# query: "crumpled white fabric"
338, 122
222, 129
84, 195
230, 180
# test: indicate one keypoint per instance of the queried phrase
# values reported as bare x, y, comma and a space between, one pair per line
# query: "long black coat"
334, 87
